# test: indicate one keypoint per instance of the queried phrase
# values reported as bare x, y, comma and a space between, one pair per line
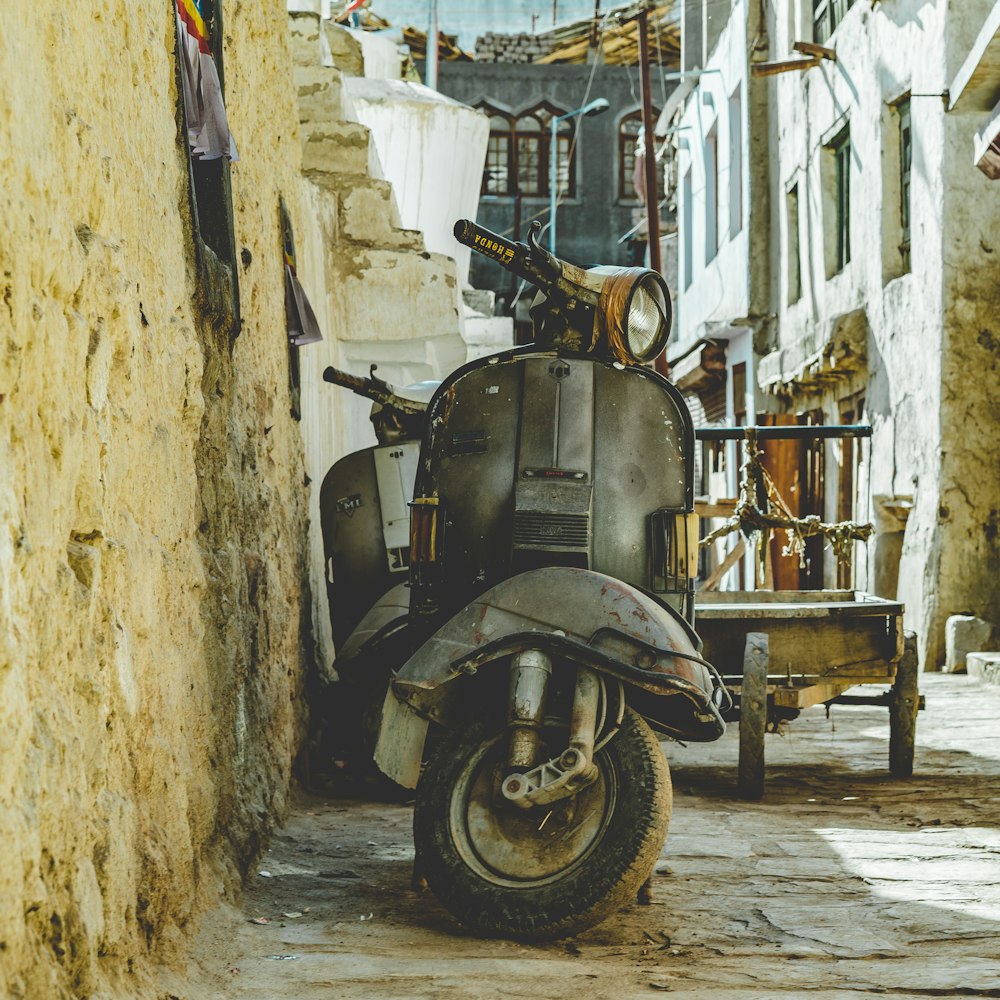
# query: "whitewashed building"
870, 284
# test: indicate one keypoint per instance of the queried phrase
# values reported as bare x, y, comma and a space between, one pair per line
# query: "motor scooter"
547, 629
365, 524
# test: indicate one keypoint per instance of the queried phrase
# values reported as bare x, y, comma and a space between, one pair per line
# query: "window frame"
541, 114
735, 123
841, 147
793, 245
837, 151
687, 227
626, 156
712, 242
905, 121
827, 16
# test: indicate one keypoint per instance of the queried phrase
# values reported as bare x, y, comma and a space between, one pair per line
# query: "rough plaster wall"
968, 511
152, 527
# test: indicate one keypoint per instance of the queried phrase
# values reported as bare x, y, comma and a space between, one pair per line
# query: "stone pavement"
841, 883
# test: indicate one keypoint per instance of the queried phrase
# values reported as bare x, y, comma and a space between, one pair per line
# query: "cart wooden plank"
830, 634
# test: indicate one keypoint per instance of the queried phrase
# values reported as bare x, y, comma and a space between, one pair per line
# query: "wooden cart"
782, 651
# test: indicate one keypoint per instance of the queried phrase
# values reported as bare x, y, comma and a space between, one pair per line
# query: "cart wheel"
753, 716
904, 701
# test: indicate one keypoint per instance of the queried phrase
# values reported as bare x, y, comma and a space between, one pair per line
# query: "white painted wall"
432, 150
916, 319
715, 290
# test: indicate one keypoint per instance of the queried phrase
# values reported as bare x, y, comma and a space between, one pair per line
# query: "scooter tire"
634, 787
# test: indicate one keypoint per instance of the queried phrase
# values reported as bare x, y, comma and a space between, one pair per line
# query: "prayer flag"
208, 126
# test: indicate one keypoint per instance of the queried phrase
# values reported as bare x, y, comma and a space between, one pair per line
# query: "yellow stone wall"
152, 510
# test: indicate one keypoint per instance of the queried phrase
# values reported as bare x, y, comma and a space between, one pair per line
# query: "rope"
760, 510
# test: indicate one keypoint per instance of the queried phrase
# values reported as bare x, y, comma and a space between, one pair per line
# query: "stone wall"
153, 607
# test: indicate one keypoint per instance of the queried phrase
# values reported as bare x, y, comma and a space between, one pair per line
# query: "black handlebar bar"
530, 261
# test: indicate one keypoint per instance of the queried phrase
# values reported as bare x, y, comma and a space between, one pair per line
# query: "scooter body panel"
542, 458
365, 523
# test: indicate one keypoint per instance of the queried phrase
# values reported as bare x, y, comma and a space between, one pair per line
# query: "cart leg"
903, 704
753, 716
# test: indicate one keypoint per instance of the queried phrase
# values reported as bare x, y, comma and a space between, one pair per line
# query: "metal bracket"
554, 779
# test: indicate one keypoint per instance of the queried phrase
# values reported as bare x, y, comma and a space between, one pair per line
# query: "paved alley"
841, 883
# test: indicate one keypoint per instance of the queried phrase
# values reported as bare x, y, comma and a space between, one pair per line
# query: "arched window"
628, 139
496, 174
517, 158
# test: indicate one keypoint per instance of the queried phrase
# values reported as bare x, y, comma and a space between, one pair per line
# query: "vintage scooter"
365, 523
548, 625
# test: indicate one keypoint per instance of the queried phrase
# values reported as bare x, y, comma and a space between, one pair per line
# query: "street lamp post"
594, 107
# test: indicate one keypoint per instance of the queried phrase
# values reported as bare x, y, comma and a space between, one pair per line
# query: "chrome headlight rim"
652, 286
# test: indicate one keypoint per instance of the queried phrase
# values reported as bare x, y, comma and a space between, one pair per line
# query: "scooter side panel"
474, 454
356, 569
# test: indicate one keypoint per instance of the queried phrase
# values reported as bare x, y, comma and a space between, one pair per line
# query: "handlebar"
374, 389
529, 261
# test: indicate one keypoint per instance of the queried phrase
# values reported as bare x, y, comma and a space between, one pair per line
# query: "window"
712, 195
517, 157
628, 142
827, 14
792, 248
735, 162
687, 221
905, 164
496, 178
209, 148
837, 208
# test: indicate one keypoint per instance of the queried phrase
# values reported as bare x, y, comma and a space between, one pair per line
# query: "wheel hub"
512, 845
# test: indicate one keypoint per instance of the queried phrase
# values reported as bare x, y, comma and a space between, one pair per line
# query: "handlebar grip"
489, 244
345, 379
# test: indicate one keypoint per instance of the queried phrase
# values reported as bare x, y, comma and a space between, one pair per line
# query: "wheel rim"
518, 847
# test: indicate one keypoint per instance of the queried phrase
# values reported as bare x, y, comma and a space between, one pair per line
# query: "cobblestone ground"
841, 883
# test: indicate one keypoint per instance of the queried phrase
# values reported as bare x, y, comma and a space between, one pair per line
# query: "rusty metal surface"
510, 453
583, 615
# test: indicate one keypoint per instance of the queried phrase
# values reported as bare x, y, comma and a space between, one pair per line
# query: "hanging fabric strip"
208, 126
303, 327
352, 6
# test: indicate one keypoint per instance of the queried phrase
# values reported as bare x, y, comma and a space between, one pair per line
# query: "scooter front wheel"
548, 871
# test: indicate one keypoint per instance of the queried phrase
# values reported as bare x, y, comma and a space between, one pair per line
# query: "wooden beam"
816, 51
722, 507
725, 566
786, 66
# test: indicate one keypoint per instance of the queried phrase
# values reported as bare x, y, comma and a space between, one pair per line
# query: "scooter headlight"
648, 324
635, 314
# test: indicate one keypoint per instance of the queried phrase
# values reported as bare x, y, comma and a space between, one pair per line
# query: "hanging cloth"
303, 327
208, 126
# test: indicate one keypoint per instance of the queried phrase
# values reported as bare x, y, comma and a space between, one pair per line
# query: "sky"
470, 18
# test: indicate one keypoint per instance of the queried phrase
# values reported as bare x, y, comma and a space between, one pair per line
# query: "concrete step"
401, 295
985, 667
321, 95
368, 216
335, 148
308, 44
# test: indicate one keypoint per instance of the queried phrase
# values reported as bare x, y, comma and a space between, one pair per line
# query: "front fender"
582, 616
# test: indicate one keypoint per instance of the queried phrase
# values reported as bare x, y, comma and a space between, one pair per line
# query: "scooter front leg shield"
580, 616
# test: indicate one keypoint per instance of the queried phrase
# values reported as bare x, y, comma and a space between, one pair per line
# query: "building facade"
876, 267
597, 203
